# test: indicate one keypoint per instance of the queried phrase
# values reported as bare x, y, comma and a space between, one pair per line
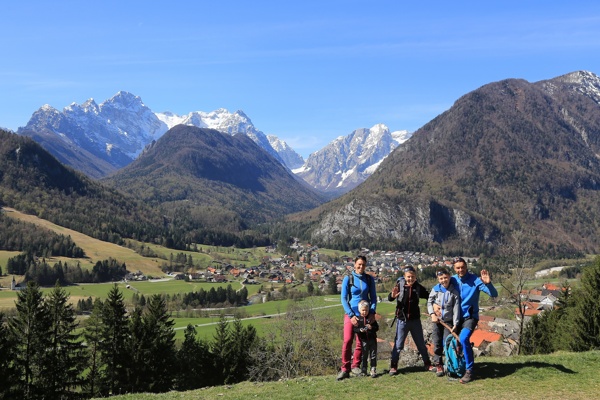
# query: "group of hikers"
452, 304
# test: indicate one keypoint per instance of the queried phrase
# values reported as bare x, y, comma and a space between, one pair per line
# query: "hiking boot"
373, 372
468, 377
393, 371
343, 375
439, 370
357, 371
429, 367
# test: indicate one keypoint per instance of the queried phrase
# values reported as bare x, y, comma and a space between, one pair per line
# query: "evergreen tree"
64, 356
160, 343
30, 332
241, 344
193, 360
332, 285
586, 317
8, 377
112, 346
219, 351
92, 335
138, 351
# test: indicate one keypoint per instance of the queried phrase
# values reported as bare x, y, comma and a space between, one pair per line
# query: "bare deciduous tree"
299, 344
517, 271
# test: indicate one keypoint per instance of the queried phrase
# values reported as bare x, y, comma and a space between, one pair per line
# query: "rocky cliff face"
426, 222
511, 155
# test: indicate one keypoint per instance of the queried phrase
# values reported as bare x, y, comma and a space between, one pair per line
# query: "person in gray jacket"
443, 304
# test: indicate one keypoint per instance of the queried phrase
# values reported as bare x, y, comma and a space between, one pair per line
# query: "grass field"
97, 250
555, 376
147, 288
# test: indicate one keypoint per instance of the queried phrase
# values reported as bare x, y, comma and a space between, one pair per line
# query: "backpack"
351, 283
455, 364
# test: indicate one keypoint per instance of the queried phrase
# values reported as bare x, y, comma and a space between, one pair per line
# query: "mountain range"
99, 139
204, 178
511, 155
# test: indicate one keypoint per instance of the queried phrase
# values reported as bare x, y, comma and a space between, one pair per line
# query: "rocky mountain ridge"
511, 155
347, 161
99, 139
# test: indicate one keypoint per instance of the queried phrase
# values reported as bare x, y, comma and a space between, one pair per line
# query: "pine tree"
241, 342
586, 334
92, 335
64, 356
160, 344
8, 377
193, 360
137, 346
219, 351
112, 346
29, 330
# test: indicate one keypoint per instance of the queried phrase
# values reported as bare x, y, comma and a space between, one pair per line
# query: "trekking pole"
445, 325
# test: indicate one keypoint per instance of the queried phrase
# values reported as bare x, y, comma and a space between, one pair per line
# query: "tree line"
44, 354
17, 235
39, 271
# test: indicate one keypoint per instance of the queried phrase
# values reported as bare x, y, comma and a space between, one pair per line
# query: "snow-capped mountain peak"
348, 160
117, 130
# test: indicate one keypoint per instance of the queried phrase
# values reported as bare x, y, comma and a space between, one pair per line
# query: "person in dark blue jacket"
470, 286
355, 287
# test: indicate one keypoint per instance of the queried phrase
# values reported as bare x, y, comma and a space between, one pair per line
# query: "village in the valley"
494, 335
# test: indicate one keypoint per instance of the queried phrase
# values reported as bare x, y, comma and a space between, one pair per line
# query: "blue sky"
305, 71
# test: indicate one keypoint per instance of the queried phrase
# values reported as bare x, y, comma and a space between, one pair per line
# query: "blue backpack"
455, 360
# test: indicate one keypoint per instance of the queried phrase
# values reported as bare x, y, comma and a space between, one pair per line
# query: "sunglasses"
409, 269
440, 273
458, 259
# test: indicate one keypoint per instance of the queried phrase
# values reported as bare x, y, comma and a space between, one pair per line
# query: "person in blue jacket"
356, 287
470, 286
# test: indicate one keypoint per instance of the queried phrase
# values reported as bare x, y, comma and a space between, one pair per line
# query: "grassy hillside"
95, 250
556, 376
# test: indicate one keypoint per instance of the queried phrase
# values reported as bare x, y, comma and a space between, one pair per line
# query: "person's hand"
395, 291
437, 310
354, 320
485, 276
434, 318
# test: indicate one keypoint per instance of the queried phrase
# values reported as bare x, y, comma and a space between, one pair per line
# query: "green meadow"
555, 376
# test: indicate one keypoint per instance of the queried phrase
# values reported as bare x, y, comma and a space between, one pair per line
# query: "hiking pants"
416, 331
438, 336
467, 328
347, 347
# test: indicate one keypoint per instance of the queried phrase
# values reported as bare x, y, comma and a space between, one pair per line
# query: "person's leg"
347, 344
373, 353
416, 330
401, 333
468, 327
364, 356
357, 358
438, 346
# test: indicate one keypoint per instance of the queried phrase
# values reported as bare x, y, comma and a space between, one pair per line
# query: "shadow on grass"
490, 370
499, 370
